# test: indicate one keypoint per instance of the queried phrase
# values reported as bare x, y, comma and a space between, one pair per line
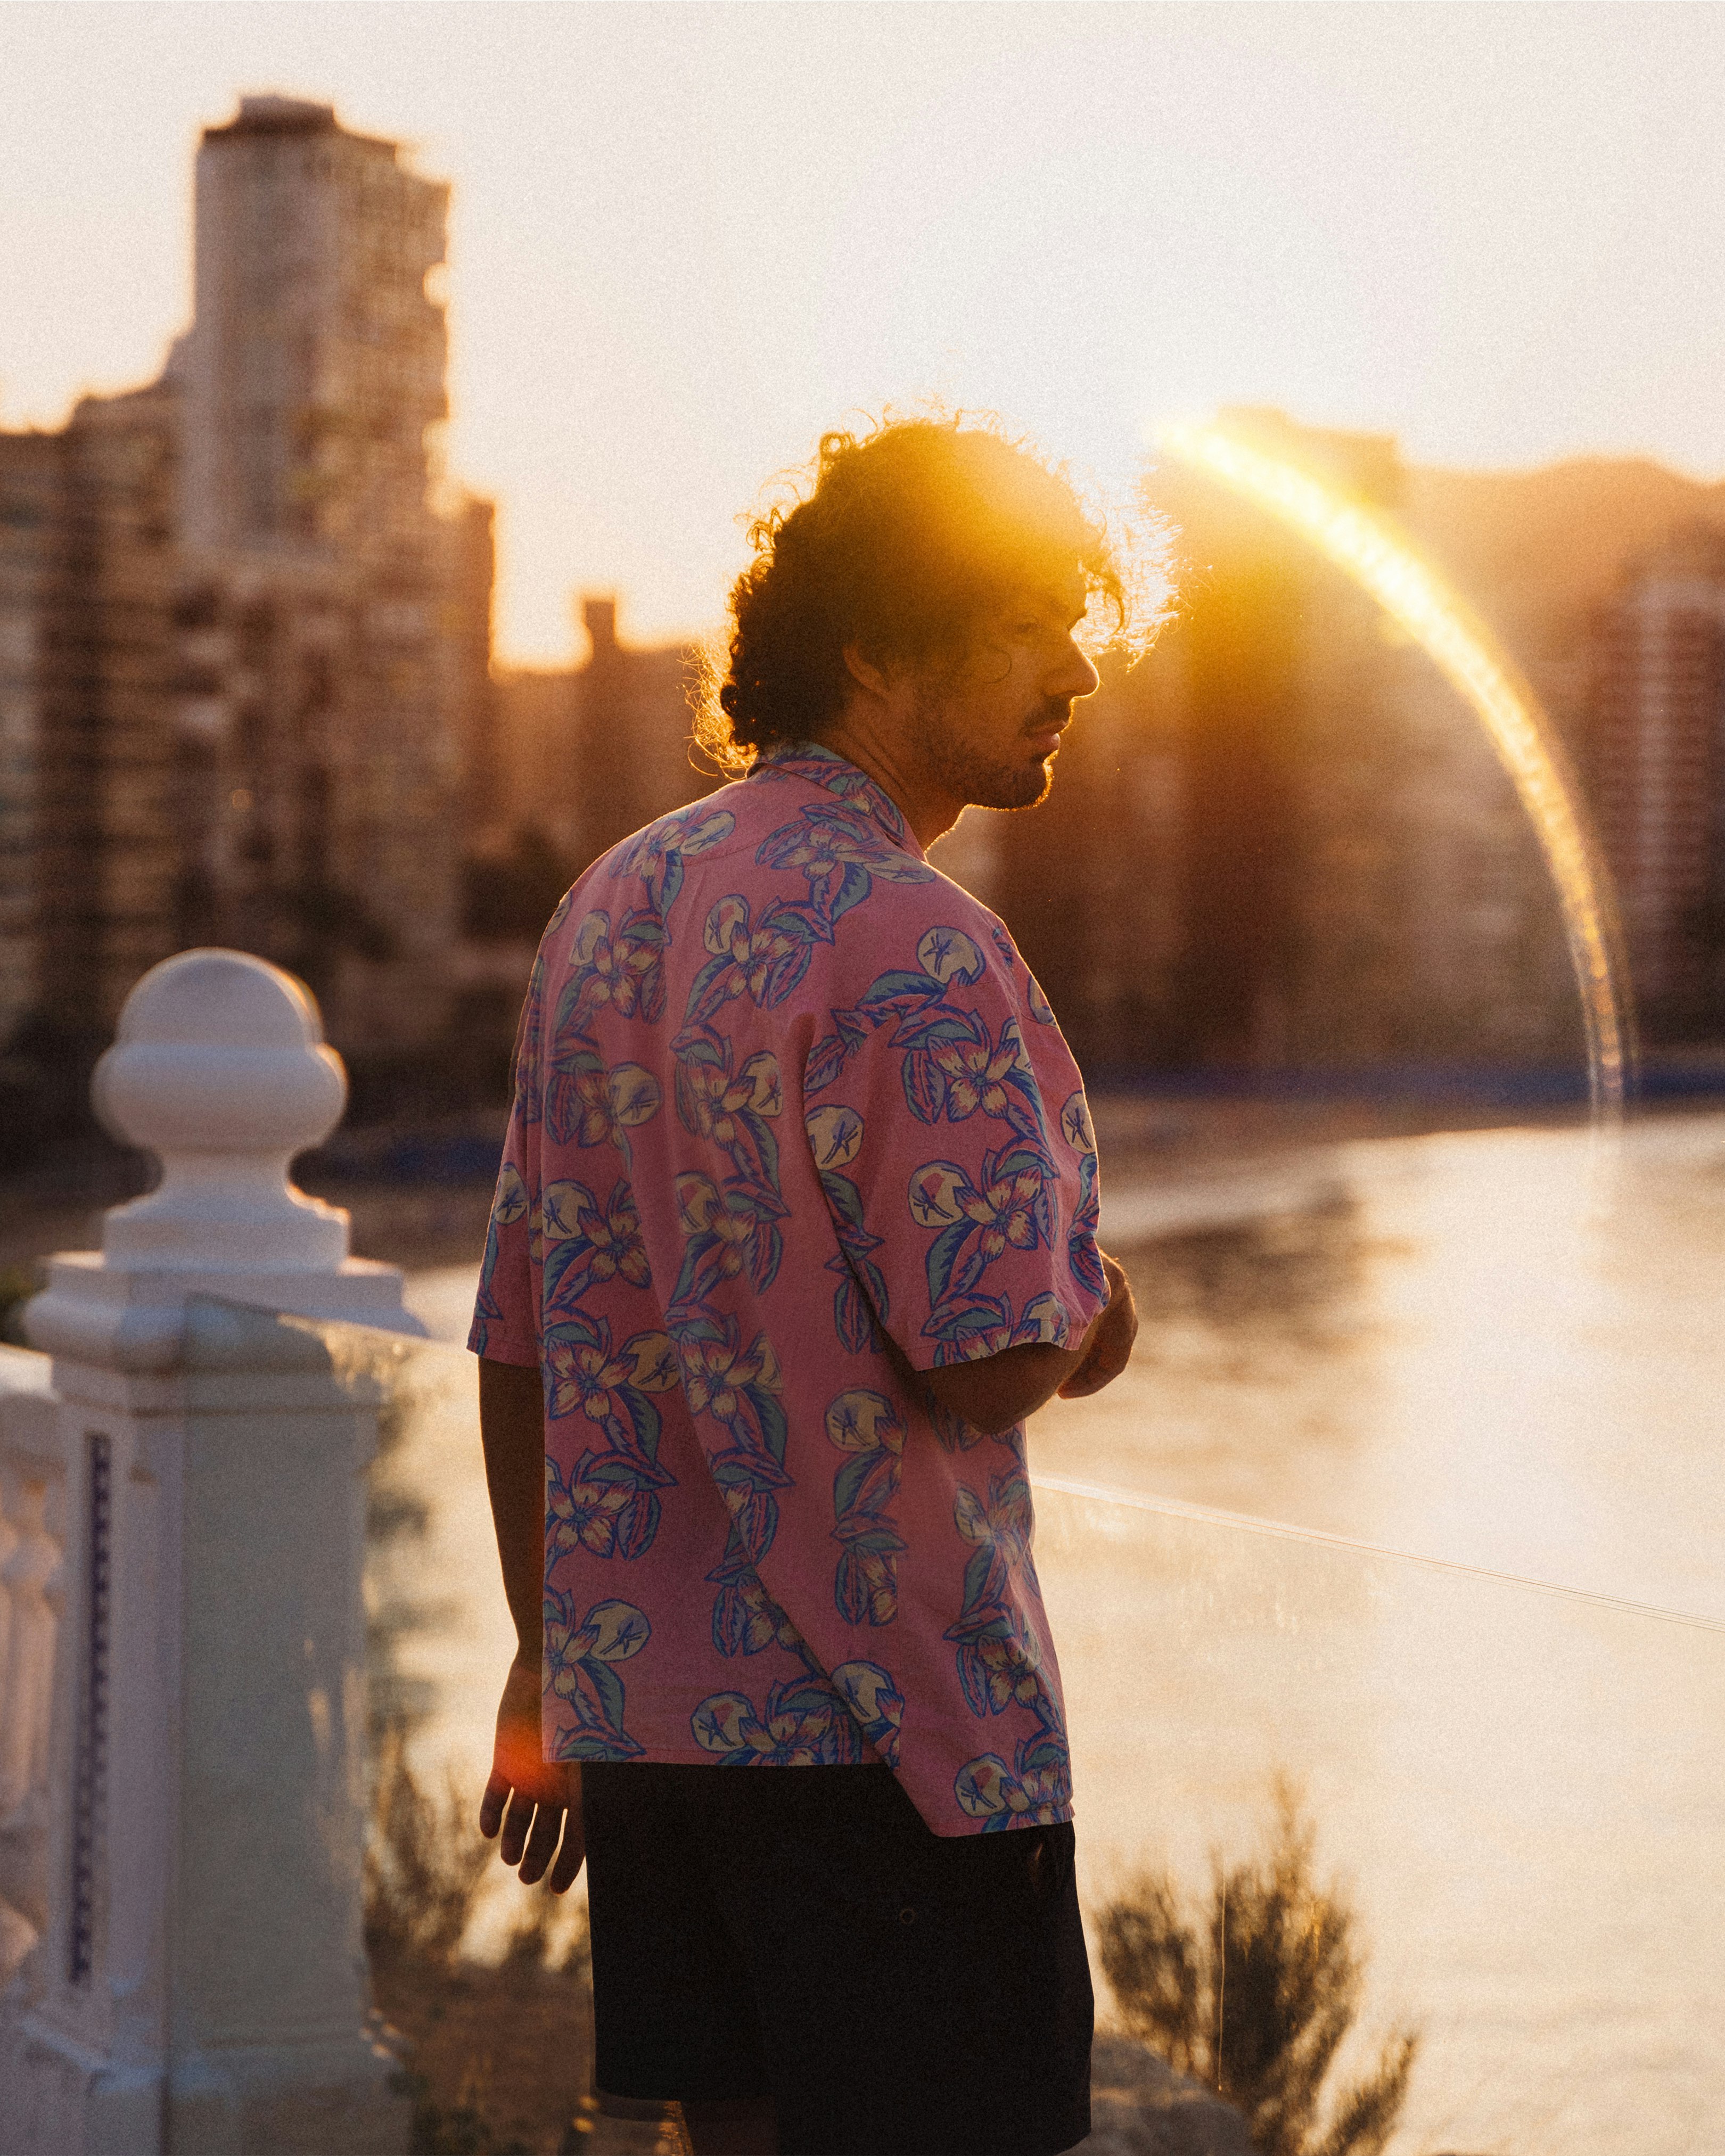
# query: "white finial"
220, 1070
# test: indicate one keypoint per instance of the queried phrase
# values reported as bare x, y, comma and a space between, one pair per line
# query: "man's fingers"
1094, 1372
542, 1844
571, 1855
529, 1830
491, 1803
1099, 1370
517, 1821
1111, 1345
1083, 1383
1078, 1383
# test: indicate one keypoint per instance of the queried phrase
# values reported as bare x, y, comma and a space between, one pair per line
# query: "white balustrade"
32, 1476
182, 1636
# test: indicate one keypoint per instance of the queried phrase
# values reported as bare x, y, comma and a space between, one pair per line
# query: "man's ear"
866, 674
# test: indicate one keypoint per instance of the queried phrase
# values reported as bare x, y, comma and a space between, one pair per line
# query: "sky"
685, 238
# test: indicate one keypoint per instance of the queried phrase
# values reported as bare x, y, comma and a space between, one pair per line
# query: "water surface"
1495, 1350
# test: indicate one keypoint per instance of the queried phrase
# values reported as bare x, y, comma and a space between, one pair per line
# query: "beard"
981, 774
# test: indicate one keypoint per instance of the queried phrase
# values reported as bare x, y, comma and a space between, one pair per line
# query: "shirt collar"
821, 766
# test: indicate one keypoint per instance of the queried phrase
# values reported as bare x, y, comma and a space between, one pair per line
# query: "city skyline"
683, 240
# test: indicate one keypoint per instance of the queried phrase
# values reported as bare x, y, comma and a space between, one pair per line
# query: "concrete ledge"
1141, 2107
332, 2099
134, 1321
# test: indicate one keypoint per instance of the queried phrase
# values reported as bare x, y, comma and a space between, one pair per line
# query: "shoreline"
1182, 1162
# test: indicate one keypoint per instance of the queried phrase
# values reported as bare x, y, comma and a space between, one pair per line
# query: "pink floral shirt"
785, 1093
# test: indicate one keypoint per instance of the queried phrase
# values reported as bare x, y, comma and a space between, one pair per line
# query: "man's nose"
1077, 676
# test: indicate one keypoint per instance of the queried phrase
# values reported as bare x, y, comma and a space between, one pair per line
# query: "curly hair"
908, 533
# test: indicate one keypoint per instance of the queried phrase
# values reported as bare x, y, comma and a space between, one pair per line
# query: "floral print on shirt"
792, 1122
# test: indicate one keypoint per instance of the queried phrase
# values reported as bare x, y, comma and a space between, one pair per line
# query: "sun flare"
1364, 543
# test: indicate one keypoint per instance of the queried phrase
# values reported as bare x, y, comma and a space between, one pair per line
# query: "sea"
1405, 1522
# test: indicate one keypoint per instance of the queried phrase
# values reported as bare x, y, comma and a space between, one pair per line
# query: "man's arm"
532, 1802
1000, 1390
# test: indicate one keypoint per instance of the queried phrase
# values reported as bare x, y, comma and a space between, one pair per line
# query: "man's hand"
996, 1392
532, 1800
1108, 1349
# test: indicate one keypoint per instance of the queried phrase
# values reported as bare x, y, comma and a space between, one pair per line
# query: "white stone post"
195, 1980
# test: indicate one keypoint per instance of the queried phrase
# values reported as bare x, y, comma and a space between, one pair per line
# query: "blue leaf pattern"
580, 1654
865, 1425
746, 1027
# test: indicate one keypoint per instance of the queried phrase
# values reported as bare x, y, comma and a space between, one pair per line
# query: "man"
796, 1224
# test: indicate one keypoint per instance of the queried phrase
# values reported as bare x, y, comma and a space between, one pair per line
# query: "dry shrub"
425, 1863
1252, 1990
498, 2051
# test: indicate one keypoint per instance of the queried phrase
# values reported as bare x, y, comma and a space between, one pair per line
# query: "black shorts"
798, 1932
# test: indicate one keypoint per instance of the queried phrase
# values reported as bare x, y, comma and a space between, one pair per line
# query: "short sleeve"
947, 1122
506, 1320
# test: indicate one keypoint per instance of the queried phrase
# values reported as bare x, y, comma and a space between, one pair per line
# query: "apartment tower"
1658, 776
324, 643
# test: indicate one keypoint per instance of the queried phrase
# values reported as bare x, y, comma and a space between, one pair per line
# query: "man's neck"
925, 805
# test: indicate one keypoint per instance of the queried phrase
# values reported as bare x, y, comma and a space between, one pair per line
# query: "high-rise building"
1656, 766
315, 364
596, 750
327, 611
88, 859
468, 582
244, 629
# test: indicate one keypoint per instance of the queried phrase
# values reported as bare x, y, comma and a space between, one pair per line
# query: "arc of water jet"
1366, 548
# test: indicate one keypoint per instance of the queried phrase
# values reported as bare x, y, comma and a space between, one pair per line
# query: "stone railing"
33, 1534
182, 1676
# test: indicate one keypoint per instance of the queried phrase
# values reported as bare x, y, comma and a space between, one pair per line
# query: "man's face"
990, 728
